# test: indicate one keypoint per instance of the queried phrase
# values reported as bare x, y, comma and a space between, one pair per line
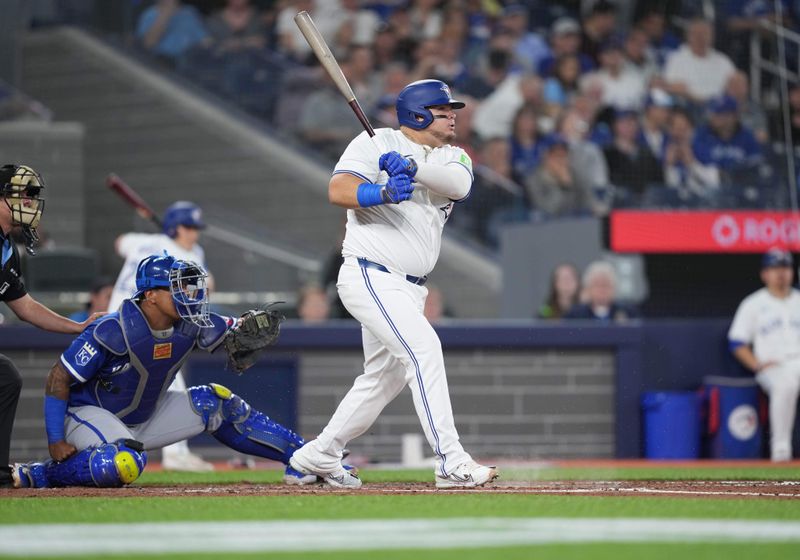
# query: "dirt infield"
682, 488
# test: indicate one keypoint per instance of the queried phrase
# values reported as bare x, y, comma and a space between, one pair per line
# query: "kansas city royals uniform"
772, 326
388, 251
136, 246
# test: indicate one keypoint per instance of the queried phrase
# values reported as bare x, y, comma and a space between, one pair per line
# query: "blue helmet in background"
186, 281
182, 213
414, 102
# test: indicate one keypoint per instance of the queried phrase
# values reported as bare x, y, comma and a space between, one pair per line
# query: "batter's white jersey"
136, 246
770, 324
404, 237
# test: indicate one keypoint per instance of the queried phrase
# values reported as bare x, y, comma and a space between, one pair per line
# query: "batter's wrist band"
54, 412
369, 194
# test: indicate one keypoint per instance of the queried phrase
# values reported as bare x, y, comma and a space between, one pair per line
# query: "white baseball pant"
782, 383
400, 348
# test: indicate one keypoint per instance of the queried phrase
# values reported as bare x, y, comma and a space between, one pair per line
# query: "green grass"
51, 508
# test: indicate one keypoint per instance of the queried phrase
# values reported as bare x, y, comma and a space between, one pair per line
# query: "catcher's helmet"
186, 281
182, 213
21, 188
414, 102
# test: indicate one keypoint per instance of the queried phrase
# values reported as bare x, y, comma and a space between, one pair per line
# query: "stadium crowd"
573, 106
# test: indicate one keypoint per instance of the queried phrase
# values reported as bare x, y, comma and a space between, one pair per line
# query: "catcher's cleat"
467, 475
29, 475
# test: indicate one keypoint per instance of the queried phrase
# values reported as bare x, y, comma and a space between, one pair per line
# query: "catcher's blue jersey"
119, 364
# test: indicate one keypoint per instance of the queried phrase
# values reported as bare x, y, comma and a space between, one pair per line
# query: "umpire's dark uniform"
11, 288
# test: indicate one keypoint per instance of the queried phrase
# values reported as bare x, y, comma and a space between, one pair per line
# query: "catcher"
106, 398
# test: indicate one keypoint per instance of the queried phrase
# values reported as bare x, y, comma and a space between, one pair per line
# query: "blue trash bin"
735, 426
672, 424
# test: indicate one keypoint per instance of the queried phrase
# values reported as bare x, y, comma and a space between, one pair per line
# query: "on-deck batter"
182, 224
399, 188
765, 338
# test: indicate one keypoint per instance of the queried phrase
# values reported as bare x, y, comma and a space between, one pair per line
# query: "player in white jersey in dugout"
399, 189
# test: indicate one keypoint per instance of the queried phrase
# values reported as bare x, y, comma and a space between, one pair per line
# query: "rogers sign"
703, 232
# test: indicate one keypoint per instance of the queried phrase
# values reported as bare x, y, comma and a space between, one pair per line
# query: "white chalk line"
292, 536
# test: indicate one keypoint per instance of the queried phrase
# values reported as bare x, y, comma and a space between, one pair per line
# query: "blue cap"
553, 140
622, 112
723, 104
776, 257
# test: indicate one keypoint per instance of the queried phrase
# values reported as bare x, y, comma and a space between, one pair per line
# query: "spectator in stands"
494, 198
638, 54
586, 160
439, 59
495, 69
740, 18
553, 189
565, 40
237, 28
385, 48
313, 305
565, 287
751, 115
395, 78
290, 39
620, 85
661, 40
495, 116
425, 18
724, 142
655, 121
529, 47
598, 26
325, 122
562, 86
344, 23
694, 182
631, 166
99, 297
170, 29
525, 146
696, 72
600, 287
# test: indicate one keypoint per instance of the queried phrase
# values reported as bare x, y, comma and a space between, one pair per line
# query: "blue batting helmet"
182, 213
186, 281
414, 102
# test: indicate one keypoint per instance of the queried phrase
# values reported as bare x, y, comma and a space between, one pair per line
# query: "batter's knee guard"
234, 422
108, 465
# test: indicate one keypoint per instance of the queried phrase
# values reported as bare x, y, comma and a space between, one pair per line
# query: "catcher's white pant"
173, 420
400, 348
782, 383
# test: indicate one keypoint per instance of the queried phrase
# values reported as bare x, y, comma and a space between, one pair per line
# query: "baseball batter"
182, 224
399, 189
106, 398
765, 338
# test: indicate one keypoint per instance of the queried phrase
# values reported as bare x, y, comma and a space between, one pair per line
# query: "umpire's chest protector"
134, 393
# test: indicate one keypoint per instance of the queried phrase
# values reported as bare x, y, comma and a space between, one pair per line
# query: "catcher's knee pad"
108, 465
234, 423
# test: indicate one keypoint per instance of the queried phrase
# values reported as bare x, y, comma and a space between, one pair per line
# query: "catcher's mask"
186, 281
21, 188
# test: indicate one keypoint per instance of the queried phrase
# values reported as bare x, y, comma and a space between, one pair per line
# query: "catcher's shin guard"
234, 422
108, 465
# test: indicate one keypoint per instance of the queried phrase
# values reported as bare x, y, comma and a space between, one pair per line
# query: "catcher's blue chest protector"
142, 366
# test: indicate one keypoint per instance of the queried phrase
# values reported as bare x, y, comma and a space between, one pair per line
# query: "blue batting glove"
394, 164
398, 189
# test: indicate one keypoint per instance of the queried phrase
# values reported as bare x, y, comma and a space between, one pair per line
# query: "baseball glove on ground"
257, 329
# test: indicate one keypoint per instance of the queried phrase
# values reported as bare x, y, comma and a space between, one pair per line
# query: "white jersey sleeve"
743, 327
129, 243
360, 158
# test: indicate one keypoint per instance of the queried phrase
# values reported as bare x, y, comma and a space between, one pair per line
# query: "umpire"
21, 207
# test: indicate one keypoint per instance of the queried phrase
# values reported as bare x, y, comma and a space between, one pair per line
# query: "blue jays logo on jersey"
85, 354
446, 209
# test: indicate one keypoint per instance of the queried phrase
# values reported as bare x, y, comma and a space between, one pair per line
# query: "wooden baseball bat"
124, 191
328, 61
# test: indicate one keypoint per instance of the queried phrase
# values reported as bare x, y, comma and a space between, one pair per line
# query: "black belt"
364, 263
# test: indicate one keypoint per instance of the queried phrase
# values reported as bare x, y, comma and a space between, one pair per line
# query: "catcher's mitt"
257, 329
